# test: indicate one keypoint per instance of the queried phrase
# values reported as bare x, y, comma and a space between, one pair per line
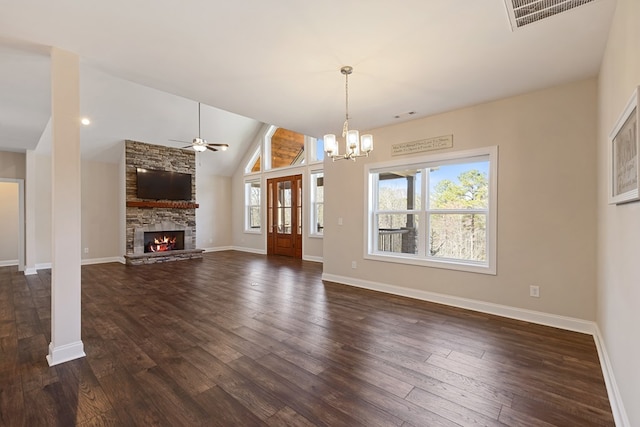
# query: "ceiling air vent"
523, 12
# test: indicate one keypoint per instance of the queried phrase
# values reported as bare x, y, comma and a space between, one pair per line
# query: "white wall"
546, 202
43, 209
618, 315
9, 220
213, 217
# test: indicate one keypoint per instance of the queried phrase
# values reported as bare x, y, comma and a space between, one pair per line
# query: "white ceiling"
146, 63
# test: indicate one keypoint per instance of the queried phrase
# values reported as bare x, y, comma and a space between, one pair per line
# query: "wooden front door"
284, 216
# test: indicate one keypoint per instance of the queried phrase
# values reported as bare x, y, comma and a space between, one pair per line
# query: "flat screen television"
159, 185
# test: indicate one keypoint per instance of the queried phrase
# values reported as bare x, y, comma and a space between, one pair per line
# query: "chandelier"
355, 145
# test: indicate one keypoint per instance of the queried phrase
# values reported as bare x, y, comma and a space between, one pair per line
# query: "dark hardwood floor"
238, 339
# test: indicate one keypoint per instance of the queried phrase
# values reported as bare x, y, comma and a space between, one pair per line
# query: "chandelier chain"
345, 127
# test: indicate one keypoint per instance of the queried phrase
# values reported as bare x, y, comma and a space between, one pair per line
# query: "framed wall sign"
624, 178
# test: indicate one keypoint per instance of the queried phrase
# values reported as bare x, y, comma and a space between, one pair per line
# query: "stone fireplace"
171, 223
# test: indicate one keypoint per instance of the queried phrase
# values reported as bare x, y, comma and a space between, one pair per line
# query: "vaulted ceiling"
145, 64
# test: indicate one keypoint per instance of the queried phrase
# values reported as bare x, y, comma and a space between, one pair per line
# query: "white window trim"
252, 161
469, 266
247, 206
312, 205
311, 148
266, 148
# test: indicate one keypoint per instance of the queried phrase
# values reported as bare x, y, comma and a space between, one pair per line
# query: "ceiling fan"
199, 144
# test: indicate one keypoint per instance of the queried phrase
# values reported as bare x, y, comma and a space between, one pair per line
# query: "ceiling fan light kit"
355, 145
199, 144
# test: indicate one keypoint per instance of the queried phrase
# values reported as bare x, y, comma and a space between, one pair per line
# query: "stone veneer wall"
141, 155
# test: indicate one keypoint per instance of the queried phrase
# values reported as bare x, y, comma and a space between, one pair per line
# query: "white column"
65, 207
30, 214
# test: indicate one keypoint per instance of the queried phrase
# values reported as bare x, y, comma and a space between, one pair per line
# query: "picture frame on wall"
624, 177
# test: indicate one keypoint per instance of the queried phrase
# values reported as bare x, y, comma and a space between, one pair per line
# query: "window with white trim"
316, 149
252, 206
437, 211
253, 165
317, 204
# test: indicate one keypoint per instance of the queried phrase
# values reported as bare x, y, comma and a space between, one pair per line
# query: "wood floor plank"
129, 399
82, 390
287, 417
311, 406
246, 339
227, 410
451, 410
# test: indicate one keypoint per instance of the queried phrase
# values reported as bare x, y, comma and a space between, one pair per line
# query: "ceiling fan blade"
218, 145
211, 148
177, 140
188, 146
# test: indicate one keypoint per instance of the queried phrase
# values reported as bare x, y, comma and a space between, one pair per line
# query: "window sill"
316, 236
253, 231
444, 264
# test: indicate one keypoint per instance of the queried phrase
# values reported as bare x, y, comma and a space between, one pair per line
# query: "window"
316, 149
317, 204
252, 203
283, 148
435, 211
254, 163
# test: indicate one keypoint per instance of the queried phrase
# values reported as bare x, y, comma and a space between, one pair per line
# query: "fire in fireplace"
163, 241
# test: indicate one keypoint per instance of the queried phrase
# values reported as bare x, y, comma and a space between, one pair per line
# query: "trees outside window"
252, 206
438, 212
317, 203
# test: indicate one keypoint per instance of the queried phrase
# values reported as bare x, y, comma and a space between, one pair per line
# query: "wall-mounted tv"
158, 185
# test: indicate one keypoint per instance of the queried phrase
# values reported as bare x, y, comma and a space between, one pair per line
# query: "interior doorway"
284, 216
12, 222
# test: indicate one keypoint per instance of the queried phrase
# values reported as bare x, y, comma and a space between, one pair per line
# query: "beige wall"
100, 210
9, 221
12, 165
619, 226
546, 202
213, 217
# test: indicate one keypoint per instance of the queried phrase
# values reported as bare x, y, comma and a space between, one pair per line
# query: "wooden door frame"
296, 214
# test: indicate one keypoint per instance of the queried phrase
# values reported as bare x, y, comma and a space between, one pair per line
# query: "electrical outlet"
86, 250
339, 221
534, 291
354, 264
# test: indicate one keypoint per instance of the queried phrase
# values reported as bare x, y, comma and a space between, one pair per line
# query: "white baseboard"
218, 249
90, 261
65, 353
250, 250
313, 258
8, 263
615, 399
30, 271
562, 322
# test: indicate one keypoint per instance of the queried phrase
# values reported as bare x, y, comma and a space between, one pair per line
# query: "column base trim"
65, 353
